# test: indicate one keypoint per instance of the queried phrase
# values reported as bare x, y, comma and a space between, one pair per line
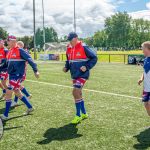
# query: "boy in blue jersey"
146, 76
80, 60
17, 59
20, 44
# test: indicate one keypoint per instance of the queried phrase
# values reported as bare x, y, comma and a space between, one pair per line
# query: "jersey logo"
14, 55
78, 54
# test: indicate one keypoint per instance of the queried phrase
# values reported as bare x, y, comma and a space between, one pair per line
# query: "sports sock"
78, 107
4, 91
25, 100
25, 92
83, 110
7, 107
16, 99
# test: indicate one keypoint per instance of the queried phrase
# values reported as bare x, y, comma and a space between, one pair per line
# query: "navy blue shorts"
146, 96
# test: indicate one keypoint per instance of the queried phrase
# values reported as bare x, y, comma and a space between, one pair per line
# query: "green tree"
50, 36
117, 29
3, 33
100, 39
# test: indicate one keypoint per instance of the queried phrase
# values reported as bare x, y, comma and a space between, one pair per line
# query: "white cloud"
148, 5
145, 14
16, 16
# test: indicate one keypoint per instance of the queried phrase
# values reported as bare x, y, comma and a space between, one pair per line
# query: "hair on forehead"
20, 43
146, 44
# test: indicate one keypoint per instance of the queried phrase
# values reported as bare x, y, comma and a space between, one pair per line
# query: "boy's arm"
92, 57
24, 55
67, 66
141, 79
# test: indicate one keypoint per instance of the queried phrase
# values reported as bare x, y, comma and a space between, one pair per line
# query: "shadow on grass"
12, 108
144, 140
11, 128
66, 132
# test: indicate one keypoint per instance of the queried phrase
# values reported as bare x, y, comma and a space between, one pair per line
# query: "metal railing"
108, 58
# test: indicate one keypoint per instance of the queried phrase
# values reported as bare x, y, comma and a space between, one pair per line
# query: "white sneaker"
29, 111
4, 118
14, 104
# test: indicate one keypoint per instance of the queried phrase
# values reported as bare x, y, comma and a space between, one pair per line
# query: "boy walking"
146, 76
80, 60
17, 58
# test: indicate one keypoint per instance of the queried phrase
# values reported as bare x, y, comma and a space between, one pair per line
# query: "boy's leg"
146, 101
25, 92
77, 94
8, 104
3, 77
147, 107
15, 85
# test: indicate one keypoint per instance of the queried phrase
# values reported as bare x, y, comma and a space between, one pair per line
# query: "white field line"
89, 90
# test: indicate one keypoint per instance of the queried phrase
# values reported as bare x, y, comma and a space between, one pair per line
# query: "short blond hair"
146, 45
20, 43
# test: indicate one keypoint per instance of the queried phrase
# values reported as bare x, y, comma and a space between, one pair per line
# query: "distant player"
3, 68
146, 76
17, 58
20, 44
80, 60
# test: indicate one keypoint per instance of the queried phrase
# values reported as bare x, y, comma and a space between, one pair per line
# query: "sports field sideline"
117, 119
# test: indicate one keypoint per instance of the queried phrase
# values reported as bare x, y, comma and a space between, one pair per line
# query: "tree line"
120, 32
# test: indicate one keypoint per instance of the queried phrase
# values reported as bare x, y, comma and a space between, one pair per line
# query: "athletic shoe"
4, 118
84, 116
2, 96
14, 104
76, 120
29, 111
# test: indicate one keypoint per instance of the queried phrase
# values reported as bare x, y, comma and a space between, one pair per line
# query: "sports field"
117, 119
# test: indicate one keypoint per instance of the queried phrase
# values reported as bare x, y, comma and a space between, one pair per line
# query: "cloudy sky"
16, 15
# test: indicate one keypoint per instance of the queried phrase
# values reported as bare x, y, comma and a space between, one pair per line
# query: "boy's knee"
76, 93
18, 94
8, 94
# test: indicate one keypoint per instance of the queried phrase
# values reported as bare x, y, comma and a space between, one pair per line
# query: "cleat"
4, 118
84, 116
2, 96
76, 120
29, 97
14, 104
29, 111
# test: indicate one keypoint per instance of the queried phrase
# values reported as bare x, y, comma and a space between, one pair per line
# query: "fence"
109, 58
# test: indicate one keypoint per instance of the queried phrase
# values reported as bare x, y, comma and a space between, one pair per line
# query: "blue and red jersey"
17, 59
78, 56
3, 59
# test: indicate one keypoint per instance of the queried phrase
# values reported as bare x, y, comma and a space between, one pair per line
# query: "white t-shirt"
147, 74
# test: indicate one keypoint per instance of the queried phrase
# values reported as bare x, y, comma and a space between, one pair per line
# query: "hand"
140, 81
83, 69
37, 75
65, 69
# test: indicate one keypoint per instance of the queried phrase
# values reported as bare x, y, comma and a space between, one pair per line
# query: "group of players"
80, 60
13, 66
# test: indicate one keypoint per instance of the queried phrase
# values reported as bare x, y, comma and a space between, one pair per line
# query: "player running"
16, 68
20, 44
3, 68
80, 60
146, 76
